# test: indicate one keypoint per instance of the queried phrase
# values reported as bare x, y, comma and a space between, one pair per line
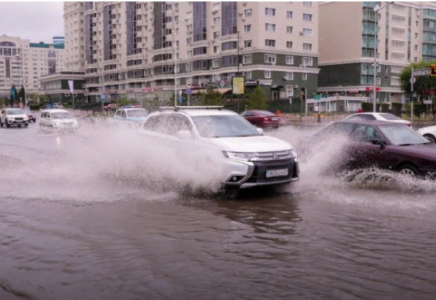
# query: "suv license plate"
274, 119
277, 173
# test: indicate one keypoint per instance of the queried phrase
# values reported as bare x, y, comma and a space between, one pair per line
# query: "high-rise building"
22, 63
406, 33
133, 48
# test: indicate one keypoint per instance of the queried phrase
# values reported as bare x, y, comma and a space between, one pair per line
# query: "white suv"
13, 117
57, 119
247, 157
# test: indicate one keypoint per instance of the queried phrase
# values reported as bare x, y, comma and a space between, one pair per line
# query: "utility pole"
412, 81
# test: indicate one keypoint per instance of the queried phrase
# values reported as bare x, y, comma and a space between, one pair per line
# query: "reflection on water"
67, 232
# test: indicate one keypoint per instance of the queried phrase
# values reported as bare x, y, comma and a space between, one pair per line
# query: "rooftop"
44, 45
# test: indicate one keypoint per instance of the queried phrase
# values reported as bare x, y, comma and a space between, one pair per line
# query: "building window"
417, 23
200, 51
289, 44
307, 47
289, 14
398, 44
270, 43
289, 75
415, 59
289, 29
416, 47
304, 76
307, 32
189, 41
398, 31
216, 6
398, 19
216, 49
247, 44
396, 69
216, 35
189, 54
308, 4
248, 75
399, 7
248, 13
216, 21
398, 56
270, 12
289, 60
247, 59
290, 90
416, 35
229, 46
216, 63
270, 27
247, 28
307, 61
307, 17
267, 74
270, 58
395, 81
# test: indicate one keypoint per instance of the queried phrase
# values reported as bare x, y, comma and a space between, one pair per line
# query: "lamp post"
175, 55
376, 10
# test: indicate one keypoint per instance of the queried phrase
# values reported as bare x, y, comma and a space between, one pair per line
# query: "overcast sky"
36, 21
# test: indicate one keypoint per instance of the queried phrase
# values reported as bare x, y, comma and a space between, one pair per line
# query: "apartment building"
22, 63
406, 33
141, 48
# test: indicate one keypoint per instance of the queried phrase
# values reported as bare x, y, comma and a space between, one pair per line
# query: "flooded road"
73, 225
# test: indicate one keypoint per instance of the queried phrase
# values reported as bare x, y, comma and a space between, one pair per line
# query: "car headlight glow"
255, 156
245, 156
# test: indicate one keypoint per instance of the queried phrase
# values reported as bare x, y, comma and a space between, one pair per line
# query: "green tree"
424, 85
122, 101
211, 97
257, 99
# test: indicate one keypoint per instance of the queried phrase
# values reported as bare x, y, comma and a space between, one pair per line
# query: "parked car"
262, 118
387, 117
247, 157
58, 120
31, 116
57, 106
13, 117
130, 116
386, 145
429, 133
111, 107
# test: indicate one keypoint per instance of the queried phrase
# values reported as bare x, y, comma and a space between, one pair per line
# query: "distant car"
31, 116
262, 118
13, 117
57, 106
387, 117
57, 120
385, 145
429, 133
130, 116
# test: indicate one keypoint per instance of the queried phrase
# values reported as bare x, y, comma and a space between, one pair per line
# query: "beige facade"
22, 63
115, 61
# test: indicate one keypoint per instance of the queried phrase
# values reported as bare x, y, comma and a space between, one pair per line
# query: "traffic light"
303, 95
433, 70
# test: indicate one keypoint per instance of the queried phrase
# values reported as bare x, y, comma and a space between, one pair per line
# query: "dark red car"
381, 144
262, 118
31, 116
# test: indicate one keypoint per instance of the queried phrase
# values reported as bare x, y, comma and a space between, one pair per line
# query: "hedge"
34, 107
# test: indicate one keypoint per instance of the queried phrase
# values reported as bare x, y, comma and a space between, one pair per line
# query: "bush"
34, 107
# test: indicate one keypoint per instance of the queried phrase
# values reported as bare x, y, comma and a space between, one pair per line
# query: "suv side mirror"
381, 143
184, 134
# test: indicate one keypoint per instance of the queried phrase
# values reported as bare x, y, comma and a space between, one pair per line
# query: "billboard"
238, 85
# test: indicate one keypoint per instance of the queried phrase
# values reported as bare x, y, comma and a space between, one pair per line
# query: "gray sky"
37, 21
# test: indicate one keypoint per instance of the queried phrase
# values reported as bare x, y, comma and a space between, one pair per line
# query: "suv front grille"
261, 167
274, 156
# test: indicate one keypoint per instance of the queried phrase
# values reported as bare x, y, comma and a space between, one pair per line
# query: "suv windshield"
390, 117
60, 115
224, 126
136, 113
15, 112
402, 135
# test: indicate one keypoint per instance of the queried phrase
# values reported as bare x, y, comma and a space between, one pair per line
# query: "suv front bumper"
256, 174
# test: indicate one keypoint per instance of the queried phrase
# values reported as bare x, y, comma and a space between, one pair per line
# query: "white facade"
22, 63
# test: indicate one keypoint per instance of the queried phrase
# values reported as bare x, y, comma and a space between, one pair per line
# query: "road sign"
188, 91
222, 83
412, 80
421, 72
180, 99
102, 98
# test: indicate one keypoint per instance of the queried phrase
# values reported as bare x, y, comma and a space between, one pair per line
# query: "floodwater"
94, 215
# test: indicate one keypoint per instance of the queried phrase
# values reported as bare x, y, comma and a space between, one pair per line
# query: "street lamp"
175, 55
376, 9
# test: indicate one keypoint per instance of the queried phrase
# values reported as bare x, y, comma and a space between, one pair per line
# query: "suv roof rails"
177, 108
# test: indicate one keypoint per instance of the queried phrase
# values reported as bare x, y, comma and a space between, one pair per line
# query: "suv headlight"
245, 156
